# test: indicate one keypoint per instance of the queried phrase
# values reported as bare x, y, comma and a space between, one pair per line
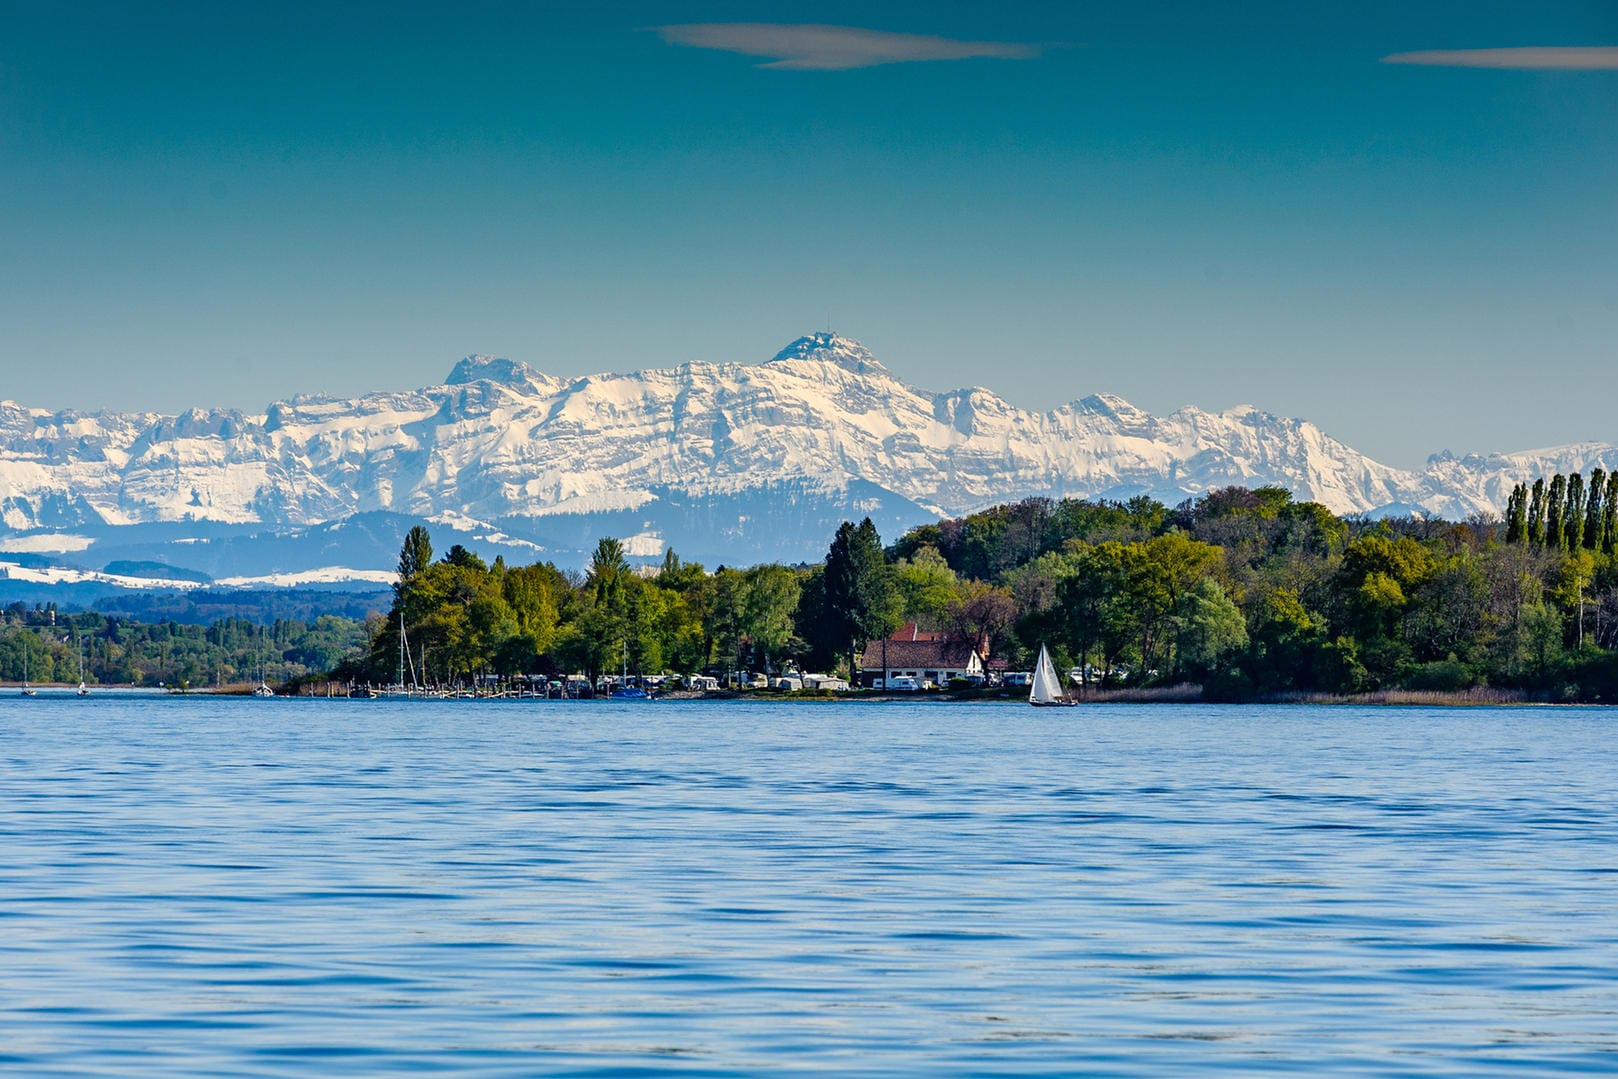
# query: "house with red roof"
923, 655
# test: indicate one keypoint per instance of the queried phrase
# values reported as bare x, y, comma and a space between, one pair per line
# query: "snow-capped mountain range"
724, 461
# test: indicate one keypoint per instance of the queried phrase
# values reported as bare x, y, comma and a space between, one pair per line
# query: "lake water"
242, 887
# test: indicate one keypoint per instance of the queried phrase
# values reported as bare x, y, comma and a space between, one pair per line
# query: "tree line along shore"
1244, 593
48, 646
1237, 595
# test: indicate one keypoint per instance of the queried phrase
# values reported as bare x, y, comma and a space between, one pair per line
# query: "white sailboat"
27, 690
84, 690
407, 663
1046, 688
263, 689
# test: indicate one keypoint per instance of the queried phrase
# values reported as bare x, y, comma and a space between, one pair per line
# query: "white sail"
1046, 687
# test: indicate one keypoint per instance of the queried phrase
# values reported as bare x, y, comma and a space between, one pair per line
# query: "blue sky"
1178, 203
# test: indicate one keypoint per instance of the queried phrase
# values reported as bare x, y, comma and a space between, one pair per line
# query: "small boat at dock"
27, 690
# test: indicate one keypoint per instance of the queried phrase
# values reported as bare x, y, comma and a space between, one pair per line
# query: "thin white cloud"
812, 47
1541, 58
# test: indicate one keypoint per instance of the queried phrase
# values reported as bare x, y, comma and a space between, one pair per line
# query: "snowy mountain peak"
723, 460
1113, 407
490, 369
831, 348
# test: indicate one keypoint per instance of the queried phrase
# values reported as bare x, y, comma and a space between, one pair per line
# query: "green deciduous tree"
770, 596
1374, 584
982, 612
1571, 589
1285, 649
1210, 629
531, 593
927, 587
1099, 620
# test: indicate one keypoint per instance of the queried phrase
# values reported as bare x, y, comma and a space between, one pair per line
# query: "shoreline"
1189, 693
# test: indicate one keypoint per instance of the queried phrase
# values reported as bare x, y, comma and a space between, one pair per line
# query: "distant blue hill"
158, 571
29, 559
263, 607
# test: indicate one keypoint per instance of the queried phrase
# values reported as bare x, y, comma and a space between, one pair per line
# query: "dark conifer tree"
858, 589
1553, 512
414, 556
1573, 514
1593, 500
1536, 513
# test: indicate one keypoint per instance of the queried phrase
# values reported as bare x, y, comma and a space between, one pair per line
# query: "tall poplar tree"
1573, 514
1517, 515
1592, 509
1553, 512
1536, 513
1609, 515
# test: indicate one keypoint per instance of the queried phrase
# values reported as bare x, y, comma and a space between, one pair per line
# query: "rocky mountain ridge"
699, 456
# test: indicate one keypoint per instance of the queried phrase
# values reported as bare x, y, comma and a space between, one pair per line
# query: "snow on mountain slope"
499, 442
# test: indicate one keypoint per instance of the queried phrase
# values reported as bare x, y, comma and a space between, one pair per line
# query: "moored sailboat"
27, 690
263, 688
625, 691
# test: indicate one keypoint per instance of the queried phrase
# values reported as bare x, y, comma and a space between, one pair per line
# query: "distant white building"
924, 656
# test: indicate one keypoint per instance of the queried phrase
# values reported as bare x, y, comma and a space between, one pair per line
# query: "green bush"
1447, 675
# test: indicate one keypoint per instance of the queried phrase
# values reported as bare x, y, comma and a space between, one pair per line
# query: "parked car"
902, 683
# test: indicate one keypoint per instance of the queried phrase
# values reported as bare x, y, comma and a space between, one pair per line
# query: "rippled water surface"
242, 887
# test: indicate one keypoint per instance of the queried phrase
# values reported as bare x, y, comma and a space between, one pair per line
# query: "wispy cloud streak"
813, 47
1540, 58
